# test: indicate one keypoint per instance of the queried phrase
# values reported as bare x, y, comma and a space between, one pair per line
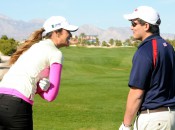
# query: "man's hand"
123, 127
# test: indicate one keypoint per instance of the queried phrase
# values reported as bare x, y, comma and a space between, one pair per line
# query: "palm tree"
82, 36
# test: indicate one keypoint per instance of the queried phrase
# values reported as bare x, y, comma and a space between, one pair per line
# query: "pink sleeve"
54, 78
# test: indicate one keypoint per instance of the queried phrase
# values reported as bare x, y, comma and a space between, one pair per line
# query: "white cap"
58, 22
146, 13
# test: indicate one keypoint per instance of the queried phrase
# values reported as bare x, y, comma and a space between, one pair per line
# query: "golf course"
93, 91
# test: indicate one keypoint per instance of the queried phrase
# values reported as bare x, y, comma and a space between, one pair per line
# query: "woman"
26, 77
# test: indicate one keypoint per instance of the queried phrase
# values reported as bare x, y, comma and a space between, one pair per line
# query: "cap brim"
130, 16
71, 28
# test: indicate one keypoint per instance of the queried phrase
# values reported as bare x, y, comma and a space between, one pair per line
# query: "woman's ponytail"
34, 38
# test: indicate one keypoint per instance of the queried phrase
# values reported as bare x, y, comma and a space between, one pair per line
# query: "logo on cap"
55, 25
136, 10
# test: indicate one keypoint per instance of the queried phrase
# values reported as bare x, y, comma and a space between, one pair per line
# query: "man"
152, 77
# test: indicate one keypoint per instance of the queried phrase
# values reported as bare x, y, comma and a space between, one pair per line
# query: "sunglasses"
134, 24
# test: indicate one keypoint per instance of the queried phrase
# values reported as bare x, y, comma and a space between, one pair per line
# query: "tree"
82, 36
136, 43
127, 42
4, 37
104, 43
8, 46
118, 43
97, 42
111, 41
172, 42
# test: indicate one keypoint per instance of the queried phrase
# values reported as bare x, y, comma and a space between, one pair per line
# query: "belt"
160, 109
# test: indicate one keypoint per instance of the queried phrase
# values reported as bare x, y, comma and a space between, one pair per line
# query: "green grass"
93, 91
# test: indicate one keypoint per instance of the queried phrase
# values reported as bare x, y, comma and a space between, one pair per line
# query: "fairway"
93, 91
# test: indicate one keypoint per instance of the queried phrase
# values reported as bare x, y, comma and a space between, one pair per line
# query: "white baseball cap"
58, 22
146, 13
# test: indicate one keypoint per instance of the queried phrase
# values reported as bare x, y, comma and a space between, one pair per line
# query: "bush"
8, 46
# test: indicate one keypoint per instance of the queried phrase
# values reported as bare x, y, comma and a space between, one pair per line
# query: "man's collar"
154, 36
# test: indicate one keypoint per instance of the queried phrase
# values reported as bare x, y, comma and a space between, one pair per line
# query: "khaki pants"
164, 120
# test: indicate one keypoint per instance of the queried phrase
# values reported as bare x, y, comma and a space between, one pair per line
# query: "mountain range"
20, 30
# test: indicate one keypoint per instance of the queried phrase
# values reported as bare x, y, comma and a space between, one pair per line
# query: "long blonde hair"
34, 38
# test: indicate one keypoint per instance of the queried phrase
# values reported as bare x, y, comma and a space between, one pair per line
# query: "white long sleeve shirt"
25, 73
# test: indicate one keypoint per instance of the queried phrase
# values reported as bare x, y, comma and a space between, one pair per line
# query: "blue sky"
101, 13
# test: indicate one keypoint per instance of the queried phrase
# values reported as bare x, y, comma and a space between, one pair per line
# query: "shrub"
8, 46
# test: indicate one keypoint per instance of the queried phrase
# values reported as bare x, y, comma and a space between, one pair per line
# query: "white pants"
164, 120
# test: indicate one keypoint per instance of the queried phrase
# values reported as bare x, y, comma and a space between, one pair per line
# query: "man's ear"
147, 26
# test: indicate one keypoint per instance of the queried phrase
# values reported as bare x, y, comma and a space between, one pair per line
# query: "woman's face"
61, 38
64, 36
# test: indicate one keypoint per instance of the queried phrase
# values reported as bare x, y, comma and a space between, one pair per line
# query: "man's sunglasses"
133, 23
